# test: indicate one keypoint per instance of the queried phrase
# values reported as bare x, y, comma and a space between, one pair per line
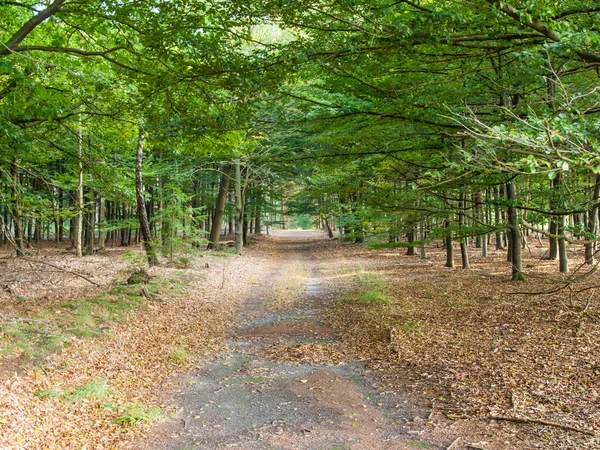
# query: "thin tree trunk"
590, 248
217, 218
101, 224
410, 237
16, 215
449, 245
498, 219
329, 230
464, 253
563, 258
239, 208
423, 238
555, 186
257, 224
78, 232
141, 204
515, 238
482, 219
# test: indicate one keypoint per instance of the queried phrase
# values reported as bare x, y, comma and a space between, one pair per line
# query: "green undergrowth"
370, 289
128, 414
34, 338
385, 245
137, 414
372, 303
96, 389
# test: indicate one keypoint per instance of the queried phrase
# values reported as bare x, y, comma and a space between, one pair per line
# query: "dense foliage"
411, 120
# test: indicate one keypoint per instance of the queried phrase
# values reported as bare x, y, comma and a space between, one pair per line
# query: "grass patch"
384, 245
179, 355
138, 414
371, 281
375, 297
418, 444
370, 287
52, 329
94, 389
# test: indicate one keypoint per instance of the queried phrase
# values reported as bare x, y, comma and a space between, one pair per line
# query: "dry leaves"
89, 395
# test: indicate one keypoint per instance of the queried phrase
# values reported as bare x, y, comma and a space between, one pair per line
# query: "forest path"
254, 395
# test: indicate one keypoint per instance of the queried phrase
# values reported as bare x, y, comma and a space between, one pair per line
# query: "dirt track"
246, 398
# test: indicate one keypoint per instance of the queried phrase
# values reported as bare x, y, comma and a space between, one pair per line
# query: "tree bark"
464, 253
239, 208
563, 258
410, 237
423, 238
590, 248
555, 186
101, 224
498, 220
449, 245
515, 234
217, 219
141, 203
16, 215
78, 232
482, 219
257, 224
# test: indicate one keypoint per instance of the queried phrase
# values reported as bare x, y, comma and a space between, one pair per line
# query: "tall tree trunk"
217, 218
78, 231
329, 230
560, 243
91, 228
101, 224
257, 224
141, 204
481, 216
239, 208
515, 234
16, 214
563, 258
554, 198
590, 248
423, 238
410, 237
449, 245
464, 253
498, 219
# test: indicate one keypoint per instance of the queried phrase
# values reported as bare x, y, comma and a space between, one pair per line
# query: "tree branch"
541, 28
29, 26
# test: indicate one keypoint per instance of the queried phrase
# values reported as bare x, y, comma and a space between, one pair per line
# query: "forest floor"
302, 343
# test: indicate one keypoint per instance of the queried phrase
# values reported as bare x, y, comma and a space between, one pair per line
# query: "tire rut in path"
244, 400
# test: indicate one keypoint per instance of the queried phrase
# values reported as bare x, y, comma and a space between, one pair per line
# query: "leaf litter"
98, 392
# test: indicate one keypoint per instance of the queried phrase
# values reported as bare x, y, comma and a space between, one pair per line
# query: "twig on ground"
432, 411
453, 443
544, 422
62, 269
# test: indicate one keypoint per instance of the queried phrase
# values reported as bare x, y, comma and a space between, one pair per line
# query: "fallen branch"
543, 422
453, 443
62, 269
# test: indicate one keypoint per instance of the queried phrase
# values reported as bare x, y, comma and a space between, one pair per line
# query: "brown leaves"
478, 343
62, 405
